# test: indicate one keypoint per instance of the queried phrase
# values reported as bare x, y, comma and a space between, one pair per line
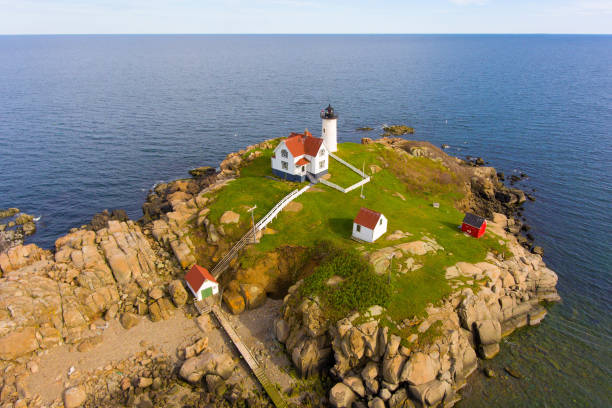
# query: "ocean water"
92, 122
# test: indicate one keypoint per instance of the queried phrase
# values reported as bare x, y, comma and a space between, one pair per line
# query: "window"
358, 228
284, 153
322, 152
303, 168
323, 130
322, 164
380, 222
285, 165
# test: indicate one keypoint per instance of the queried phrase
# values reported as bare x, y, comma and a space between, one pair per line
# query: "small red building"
474, 225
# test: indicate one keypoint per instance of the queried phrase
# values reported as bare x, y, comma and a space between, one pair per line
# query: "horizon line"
261, 34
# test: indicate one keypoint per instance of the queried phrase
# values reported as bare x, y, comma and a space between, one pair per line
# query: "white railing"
345, 190
261, 224
358, 184
349, 165
279, 207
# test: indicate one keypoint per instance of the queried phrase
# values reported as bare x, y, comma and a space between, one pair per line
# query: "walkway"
252, 233
256, 368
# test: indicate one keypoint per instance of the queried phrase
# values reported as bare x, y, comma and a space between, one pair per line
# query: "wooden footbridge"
252, 233
206, 306
257, 369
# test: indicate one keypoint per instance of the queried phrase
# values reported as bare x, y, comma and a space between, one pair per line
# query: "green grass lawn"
251, 188
328, 214
342, 175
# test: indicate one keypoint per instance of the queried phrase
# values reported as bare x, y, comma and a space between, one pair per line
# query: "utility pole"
252, 210
390, 267
363, 172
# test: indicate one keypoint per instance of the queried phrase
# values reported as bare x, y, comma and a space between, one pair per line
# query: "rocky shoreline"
380, 369
116, 269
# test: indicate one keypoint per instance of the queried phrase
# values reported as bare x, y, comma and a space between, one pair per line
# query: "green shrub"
360, 289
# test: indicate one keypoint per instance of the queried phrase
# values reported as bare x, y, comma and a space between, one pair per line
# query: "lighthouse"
329, 131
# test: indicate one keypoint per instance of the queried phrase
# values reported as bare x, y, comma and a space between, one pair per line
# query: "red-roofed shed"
369, 225
201, 283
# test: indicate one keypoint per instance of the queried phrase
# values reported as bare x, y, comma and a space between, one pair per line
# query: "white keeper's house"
302, 156
369, 225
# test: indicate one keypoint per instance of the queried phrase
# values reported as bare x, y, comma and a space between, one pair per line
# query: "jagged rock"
308, 357
488, 331
355, 384
203, 171
129, 320
18, 343
23, 218
8, 212
178, 292
156, 293
376, 403
234, 301
393, 346
370, 371
431, 393
254, 295
111, 313
182, 253
385, 394
144, 382
193, 369
119, 265
215, 384
471, 310
161, 309
196, 348
29, 228
74, 397
419, 369
392, 368
281, 330
341, 396
399, 399
489, 351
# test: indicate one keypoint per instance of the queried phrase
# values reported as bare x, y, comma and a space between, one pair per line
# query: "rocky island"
104, 319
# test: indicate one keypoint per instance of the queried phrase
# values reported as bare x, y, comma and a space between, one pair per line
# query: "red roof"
368, 218
302, 162
197, 275
299, 144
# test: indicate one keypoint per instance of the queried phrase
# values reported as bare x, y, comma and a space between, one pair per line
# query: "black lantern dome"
328, 113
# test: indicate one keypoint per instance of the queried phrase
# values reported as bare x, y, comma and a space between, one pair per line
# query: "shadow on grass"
341, 226
452, 225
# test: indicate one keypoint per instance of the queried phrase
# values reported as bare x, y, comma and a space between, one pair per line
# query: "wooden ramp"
254, 365
250, 236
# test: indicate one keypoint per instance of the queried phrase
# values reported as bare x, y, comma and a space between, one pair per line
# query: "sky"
304, 16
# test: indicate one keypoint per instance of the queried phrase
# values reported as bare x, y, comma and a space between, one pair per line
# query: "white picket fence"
366, 178
342, 189
349, 165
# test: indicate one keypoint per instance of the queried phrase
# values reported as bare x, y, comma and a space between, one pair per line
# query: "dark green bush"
360, 289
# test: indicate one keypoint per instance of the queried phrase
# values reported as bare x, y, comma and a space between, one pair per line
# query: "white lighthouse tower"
329, 131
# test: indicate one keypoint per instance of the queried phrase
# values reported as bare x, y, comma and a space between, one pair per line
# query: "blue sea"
93, 122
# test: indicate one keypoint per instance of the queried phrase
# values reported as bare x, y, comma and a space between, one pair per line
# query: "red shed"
474, 225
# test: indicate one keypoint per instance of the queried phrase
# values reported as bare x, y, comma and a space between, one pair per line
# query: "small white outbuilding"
201, 283
369, 225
